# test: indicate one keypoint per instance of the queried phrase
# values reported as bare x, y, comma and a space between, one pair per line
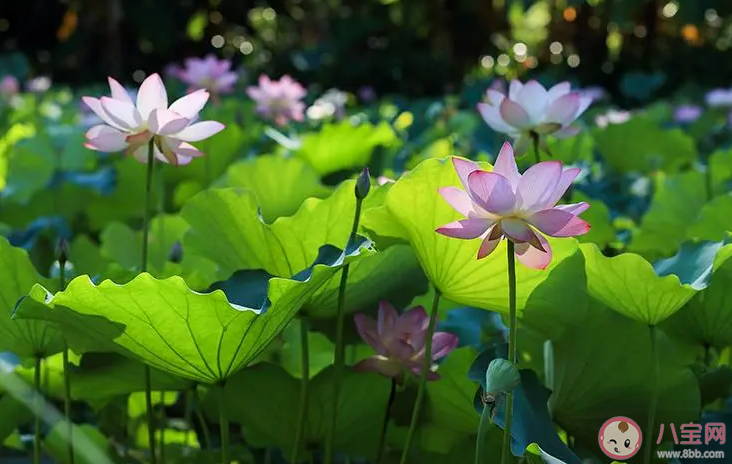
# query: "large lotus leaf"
707, 317
640, 145
225, 228
198, 336
549, 312
721, 164
27, 339
570, 150
714, 220
602, 368
123, 245
677, 199
450, 400
29, 171
271, 419
14, 134
630, 285
343, 145
267, 175
602, 232
413, 209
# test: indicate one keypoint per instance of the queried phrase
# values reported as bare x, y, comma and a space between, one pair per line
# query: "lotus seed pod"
501, 376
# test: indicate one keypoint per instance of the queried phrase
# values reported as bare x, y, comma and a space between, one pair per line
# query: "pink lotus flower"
130, 126
207, 73
279, 100
529, 111
520, 207
399, 342
9, 86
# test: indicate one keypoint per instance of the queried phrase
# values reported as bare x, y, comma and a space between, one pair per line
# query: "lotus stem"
654, 392
143, 268
537, 154
339, 355
385, 426
485, 420
426, 365
38, 396
224, 426
163, 421
304, 383
188, 416
67, 371
201, 419
512, 348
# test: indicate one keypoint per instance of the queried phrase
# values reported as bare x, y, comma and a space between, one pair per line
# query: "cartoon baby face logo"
620, 438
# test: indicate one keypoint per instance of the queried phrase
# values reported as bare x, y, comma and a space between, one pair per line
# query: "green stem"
537, 154
305, 366
485, 420
143, 268
385, 426
268, 456
422, 378
163, 421
67, 374
201, 420
654, 392
39, 406
188, 417
224, 426
512, 347
339, 355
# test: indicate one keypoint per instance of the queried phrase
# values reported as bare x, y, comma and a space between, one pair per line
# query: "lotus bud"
363, 184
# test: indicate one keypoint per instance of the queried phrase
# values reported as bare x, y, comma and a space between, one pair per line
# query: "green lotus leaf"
14, 414
29, 170
27, 339
706, 319
714, 220
266, 175
220, 152
269, 419
340, 146
413, 209
225, 228
601, 368
640, 145
677, 198
123, 245
571, 149
631, 286
602, 232
721, 165
197, 336
450, 400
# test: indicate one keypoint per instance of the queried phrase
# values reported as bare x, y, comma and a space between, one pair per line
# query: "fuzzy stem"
304, 383
339, 355
537, 154
224, 427
385, 426
654, 392
67, 374
512, 348
163, 421
39, 407
143, 268
427, 363
188, 417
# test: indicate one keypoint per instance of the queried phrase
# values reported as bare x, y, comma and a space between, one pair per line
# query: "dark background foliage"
412, 47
